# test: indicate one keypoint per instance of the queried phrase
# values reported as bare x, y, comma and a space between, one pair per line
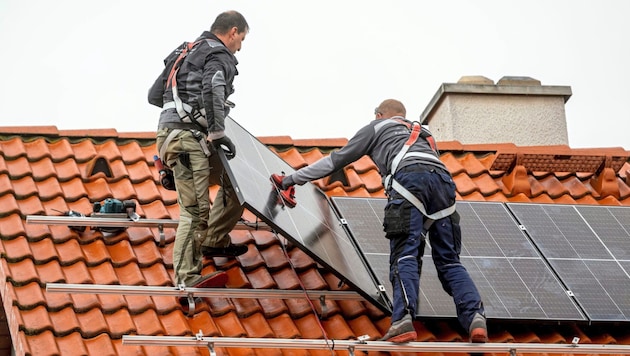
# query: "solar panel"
513, 279
312, 225
588, 248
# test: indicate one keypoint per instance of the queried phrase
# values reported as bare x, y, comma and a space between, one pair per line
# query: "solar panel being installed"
588, 247
514, 280
312, 225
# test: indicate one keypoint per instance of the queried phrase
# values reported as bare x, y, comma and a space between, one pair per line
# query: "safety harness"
391, 183
186, 113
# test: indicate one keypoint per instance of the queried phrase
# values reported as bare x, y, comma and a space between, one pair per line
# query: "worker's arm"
358, 146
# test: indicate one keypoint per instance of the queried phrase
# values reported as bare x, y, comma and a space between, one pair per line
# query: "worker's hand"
282, 182
287, 182
226, 145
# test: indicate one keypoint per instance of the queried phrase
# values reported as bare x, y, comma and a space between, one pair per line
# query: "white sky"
313, 69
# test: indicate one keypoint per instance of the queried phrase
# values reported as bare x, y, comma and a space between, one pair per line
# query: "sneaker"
232, 250
478, 330
401, 331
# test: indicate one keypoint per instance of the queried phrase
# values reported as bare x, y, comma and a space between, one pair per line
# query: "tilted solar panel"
312, 225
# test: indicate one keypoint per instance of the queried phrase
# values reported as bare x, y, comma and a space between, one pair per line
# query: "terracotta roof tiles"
47, 171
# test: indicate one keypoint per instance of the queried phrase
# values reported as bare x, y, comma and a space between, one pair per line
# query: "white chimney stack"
516, 110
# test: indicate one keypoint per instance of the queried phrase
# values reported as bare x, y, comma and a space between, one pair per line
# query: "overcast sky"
313, 69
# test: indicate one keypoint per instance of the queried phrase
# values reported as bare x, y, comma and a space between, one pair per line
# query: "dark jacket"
204, 81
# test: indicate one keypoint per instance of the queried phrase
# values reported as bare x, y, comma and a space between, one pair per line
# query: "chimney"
516, 110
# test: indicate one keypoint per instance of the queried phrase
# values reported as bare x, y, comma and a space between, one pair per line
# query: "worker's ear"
233, 31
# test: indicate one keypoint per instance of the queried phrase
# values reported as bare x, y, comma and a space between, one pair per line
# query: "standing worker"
421, 200
192, 91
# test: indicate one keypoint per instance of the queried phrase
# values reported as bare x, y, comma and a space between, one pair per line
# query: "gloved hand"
282, 182
287, 182
226, 145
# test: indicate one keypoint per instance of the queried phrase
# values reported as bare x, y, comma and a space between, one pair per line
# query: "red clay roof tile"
68, 252
64, 321
43, 169
3, 166
60, 150
13, 148
24, 189
246, 307
284, 327
237, 278
41, 344
29, 295
122, 253
103, 273
71, 344
132, 153
45, 251
273, 308
83, 151
120, 323
148, 323
130, 274
48, 189
260, 278
229, 325
10, 204
157, 275
256, 326
37, 319
67, 170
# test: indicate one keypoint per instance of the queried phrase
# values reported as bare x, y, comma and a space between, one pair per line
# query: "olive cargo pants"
200, 224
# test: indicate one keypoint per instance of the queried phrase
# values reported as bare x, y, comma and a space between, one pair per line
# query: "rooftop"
45, 171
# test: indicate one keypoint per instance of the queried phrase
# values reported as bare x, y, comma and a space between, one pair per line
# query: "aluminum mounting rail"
200, 292
101, 221
193, 293
363, 345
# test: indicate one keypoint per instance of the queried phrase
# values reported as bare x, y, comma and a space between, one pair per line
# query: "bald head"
390, 108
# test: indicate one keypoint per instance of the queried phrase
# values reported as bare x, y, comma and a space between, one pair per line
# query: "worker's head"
230, 27
390, 108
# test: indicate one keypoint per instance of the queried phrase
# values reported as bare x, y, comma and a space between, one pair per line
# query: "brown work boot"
401, 331
478, 330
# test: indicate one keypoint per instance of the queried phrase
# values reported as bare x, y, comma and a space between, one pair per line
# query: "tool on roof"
114, 208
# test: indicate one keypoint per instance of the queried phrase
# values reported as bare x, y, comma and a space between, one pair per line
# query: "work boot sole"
230, 251
479, 336
404, 337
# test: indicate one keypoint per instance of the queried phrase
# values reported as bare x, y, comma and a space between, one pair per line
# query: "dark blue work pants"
404, 225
